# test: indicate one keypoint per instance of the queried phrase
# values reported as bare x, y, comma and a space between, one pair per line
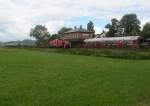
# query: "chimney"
75, 27
80, 26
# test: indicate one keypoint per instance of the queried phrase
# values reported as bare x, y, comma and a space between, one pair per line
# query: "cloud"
54, 26
98, 30
18, 16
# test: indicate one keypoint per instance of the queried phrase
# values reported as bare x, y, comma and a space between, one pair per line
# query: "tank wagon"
117, 42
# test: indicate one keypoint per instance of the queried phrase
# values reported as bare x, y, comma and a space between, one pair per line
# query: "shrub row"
112, 53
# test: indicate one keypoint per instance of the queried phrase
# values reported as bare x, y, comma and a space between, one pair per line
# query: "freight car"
117, 42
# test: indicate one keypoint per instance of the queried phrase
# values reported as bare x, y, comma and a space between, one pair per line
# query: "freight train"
106, 42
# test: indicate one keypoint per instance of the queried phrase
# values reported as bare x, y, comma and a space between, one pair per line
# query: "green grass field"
36, 78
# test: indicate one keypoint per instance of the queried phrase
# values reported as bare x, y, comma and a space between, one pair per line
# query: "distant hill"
26, 42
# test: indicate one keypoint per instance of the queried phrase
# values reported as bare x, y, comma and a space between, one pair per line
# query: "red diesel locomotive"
60, 43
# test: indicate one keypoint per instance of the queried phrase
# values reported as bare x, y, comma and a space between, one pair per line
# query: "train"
106, 42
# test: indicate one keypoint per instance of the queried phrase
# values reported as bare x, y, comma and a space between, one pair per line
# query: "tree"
113, 27
63, 30
60, 33
90, 26
54, 36
19, 44
41, 34
146, 30
131, 24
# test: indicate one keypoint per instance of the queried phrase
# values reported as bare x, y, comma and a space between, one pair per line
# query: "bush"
112, 53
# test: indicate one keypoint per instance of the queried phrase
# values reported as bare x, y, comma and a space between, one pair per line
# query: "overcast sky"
18, 16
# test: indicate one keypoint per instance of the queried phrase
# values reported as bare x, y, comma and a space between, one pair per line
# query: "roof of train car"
112, 38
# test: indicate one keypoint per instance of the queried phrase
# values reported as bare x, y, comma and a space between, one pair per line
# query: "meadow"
39, 78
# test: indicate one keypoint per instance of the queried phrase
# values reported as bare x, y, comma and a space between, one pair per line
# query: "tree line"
128, 25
